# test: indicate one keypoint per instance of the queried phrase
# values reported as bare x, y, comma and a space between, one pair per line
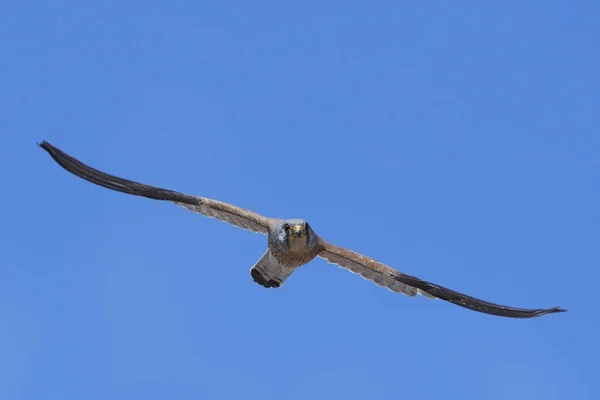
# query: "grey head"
292, 243
293, 236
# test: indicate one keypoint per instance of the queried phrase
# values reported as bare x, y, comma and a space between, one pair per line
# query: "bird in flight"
292, 243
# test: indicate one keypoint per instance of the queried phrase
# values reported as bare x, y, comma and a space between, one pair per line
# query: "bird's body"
291, 250
294, 256
291, 243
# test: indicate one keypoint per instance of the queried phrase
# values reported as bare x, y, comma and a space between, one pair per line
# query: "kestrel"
292, 243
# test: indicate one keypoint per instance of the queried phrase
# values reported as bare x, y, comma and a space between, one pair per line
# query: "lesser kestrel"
292, 243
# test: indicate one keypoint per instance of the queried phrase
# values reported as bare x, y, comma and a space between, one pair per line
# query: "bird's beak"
297, 231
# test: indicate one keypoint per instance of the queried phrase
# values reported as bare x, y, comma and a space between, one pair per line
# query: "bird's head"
293, 232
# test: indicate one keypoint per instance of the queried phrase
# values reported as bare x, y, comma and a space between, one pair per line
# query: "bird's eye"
286, 227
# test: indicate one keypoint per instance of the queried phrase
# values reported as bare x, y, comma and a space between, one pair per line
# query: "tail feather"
268, 272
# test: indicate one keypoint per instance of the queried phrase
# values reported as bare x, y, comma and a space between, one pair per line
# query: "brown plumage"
291, 243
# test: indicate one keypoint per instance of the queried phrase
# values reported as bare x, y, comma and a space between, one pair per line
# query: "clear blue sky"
455, 141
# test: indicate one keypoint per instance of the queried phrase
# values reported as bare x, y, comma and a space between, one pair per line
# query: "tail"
268, 272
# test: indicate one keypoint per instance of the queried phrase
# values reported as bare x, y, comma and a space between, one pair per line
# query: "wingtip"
44, 145
53, 151
552, 310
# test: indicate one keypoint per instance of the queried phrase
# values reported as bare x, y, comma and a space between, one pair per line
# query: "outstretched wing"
396, 281
211, 208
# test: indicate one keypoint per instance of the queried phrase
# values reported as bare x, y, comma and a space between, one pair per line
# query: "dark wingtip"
473, 303
46, 146
556, 310
54, 153
536, 313
112, 182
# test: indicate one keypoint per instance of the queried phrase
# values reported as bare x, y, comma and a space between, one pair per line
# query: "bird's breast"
294, 256
297, 247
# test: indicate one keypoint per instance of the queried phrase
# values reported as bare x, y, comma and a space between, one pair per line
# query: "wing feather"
375, 273
211, 208
397, 281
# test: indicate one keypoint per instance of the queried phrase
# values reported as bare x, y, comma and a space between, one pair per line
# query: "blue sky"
455, 141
